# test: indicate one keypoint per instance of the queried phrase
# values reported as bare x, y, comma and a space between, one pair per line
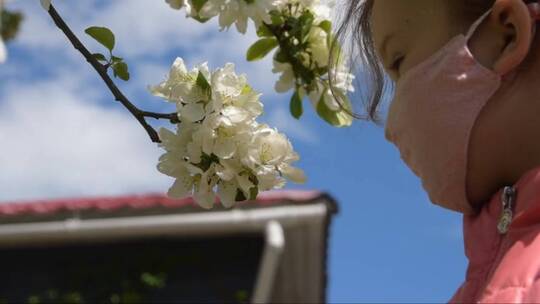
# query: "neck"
505, 142
519, 115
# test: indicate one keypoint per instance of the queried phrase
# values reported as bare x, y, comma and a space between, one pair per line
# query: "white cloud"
38, 30
145, 33
150, 29
141, 29
57, 142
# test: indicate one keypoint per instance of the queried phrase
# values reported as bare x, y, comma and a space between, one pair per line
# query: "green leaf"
264, 31
34, 300
198, 4
306, 21
281, 56
326, 25
335, 118
102, 35
155, 281
203, 83
277, 19
296, 105
99, 57
260, 48
207, 161
240, 196
200, 19
120, 70
321, 70
9, 24
253, 192
115, 59
241, 296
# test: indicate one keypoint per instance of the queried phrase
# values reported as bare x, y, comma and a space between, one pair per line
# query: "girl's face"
406, 32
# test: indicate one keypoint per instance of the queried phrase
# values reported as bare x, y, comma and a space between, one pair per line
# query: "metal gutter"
273, 250
194, 224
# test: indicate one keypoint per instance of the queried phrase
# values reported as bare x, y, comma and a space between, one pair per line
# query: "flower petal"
294, 174
224, 148
227, 193
194, 152
181, 188
172, 165
192, 112
244, 183
235, 114
331, 102
205, 199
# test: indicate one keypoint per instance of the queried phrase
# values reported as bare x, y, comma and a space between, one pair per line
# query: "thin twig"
102, 71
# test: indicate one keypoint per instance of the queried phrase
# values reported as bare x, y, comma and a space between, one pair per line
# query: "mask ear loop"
476, 24
534, 10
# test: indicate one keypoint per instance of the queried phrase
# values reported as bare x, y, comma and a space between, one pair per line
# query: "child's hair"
356, 25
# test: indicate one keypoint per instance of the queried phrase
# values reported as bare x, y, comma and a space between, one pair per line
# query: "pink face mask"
430, 119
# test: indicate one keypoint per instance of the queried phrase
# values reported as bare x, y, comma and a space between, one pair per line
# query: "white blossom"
286, 79
219, 148
342, 84
239, 12
318, 46
271, 150
180, 85
343, 78
314, 56
229, 12
322, 10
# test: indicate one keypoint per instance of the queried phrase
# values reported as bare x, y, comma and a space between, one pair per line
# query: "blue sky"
63, 135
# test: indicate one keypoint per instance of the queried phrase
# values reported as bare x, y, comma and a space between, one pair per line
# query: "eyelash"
397, 63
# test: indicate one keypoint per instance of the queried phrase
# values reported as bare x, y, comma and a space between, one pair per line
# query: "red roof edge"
144, 201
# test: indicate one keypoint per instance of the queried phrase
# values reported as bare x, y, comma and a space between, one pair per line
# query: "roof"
305, 215
139, 202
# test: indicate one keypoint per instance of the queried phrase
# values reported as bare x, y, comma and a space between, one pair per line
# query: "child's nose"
389, 135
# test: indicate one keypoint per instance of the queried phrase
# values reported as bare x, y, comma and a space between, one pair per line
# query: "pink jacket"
504, 267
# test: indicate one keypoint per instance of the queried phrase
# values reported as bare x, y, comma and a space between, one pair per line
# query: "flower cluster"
304, 38
301, 33
229, 11
219, 146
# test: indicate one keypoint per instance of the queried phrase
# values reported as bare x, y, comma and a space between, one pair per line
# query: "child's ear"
513, 21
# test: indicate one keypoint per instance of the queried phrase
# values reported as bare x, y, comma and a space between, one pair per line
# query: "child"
465, 117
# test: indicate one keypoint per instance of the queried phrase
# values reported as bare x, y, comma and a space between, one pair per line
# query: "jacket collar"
527, 205
480, 233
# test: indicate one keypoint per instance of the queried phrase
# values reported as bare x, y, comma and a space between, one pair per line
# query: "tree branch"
102, 71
